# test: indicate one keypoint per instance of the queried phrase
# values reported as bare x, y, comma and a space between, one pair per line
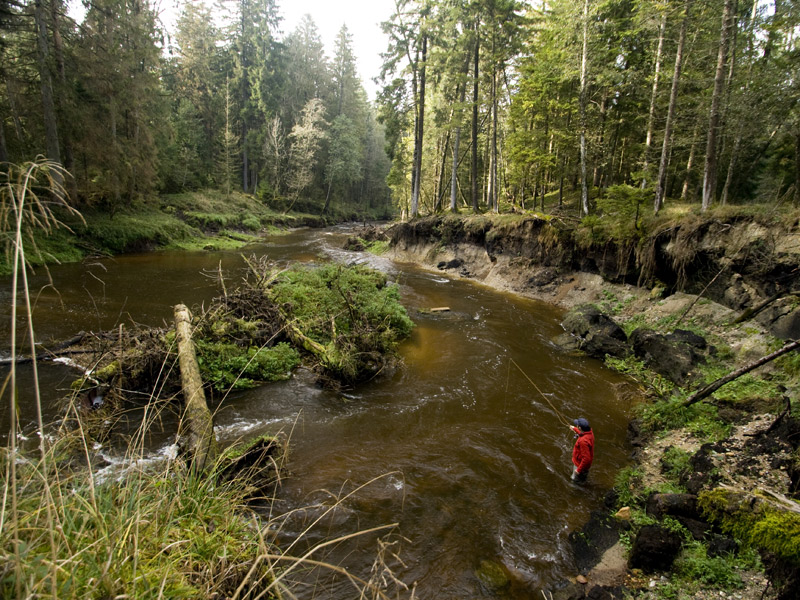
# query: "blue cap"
582, 423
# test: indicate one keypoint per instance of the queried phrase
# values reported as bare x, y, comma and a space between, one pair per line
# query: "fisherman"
583, 451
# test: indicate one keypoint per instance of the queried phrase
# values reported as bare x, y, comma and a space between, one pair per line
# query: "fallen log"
749, 313
196, 416
713, 387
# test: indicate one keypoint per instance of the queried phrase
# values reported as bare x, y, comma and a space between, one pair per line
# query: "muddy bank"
681, 290
737, 264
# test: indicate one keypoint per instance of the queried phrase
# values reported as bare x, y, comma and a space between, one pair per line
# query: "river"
457, 447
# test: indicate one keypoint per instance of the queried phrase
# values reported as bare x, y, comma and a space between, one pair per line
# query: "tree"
673, 99
344, 156
710, 169
306, 136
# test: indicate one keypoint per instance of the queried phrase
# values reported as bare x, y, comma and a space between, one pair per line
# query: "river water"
457, 447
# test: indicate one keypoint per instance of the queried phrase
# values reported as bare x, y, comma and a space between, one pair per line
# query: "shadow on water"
466, 456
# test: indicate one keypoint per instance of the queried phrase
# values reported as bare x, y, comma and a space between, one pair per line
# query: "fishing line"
558, 412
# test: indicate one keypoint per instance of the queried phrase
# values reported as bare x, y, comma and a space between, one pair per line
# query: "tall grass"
154, 529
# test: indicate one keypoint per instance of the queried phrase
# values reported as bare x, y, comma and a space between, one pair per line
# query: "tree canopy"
484, 105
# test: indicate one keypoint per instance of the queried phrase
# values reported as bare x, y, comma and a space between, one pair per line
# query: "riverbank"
695, 277
203, 220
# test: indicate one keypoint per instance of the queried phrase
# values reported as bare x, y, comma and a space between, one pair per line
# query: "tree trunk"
653, 96
584, 60
797, 168
46, 84
420, 131
713, 387
710, 169
66, 137
198, 421
673, 98
690, 163
474, 165
3, 148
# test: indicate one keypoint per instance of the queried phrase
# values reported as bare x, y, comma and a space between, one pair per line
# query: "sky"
362, 17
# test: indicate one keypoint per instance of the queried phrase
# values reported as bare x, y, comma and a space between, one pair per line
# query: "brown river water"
456, 446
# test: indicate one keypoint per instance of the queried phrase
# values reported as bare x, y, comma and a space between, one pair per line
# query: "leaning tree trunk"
197, 417
713, 387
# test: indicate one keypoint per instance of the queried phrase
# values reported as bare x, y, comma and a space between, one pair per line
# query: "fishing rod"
558, 412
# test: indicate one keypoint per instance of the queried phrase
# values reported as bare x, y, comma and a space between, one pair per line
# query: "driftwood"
713, 387
749, 313
202, 443
775, 422
700, 295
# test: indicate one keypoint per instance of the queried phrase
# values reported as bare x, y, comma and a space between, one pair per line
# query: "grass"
155, 529
190, 221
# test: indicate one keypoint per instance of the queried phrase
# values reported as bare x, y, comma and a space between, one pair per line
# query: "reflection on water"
461, 450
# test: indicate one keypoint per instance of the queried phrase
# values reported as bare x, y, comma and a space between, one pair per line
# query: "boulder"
654, 549
598, 535
674, 505
599, 334
673, 356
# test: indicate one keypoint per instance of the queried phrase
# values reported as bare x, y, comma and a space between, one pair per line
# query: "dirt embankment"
737, 264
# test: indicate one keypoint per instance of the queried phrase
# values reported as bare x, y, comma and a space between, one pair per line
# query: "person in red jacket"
583, 451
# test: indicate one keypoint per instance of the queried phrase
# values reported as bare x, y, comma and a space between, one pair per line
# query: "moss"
108, 372
228, 366
492, 575
755, 523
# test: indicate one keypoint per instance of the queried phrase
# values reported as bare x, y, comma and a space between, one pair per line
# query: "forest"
482, 104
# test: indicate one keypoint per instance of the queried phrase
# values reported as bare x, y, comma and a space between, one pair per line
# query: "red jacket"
583, 451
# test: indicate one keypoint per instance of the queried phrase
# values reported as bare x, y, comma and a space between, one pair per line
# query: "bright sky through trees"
362, 17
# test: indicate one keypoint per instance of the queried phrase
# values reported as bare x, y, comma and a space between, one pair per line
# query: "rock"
599, 333
674, 505
544, 277
581, 579
654, 549
624, 513
598, 535
493, 575
720, 545
354, 244
450, 264
568, 591
671, 357
682, 336
602, 592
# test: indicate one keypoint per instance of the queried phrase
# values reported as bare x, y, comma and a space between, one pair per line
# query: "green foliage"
147, 535
377, 247
228, 366
635, 368
694, 566
127, 232
351, 311
761, 526
675, 462
700, 418
628, 485
621, 207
